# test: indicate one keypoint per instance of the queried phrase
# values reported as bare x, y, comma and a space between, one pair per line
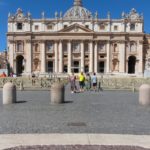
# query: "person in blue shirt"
94, 81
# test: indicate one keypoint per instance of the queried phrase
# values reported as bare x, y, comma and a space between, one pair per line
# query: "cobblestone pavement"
108, 112
77, 147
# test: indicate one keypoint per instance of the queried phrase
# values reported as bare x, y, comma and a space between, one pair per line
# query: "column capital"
11, 41
42, 41
29, 41
141, 41
69, 40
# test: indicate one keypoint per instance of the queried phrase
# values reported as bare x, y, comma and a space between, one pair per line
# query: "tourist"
11, 74
3, 75
94, 81
72, 80
33, 78
81, 81
88, 82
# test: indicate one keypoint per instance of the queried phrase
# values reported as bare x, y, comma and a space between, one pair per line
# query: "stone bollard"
9, 93
144, 95
57, 93
21, 86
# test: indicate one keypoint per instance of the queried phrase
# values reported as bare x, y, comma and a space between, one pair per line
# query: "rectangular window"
50, 27
76, 47
36, 27
115, 28
86, 45
19, 26
65, 26
50, 66
65, 68
102, 27
87, 26
101, 67
50, 47
132, 27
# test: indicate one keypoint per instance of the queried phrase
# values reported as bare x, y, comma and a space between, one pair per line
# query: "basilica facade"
76, 41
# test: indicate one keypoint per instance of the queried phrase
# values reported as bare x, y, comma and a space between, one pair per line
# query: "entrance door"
19, 65
131, 64
76, 66
50, 66
101, 66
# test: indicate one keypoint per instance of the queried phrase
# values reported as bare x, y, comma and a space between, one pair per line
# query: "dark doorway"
19, 65
50, 66
76, 66
65, 68
131, 64
101, 66
86, 69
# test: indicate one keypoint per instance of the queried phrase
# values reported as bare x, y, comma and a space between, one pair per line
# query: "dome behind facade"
78, 12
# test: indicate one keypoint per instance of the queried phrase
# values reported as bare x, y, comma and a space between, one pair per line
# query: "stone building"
78, 41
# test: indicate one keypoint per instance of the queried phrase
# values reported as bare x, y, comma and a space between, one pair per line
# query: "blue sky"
35, 7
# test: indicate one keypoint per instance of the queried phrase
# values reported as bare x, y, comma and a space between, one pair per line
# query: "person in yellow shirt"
81, 81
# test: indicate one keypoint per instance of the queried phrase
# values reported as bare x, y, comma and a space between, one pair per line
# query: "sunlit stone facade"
78, 41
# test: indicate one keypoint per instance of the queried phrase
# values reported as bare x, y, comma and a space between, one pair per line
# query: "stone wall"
106, 83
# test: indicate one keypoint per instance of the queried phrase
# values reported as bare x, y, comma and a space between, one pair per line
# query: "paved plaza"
116, 115
106, 112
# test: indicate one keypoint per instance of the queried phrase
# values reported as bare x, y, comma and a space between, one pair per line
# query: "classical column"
43, 57
60, 57
140, 50
108, 58
11, 55
91, 57
95, 57
82, 56
122, 57
69, 57
29, 57
56, 57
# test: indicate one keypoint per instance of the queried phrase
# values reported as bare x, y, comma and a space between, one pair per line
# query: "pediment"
76, 28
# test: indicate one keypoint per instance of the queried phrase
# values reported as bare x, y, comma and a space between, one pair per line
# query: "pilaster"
95, 57
108, 58
140, 52
122, 55
60, 57
82, 56
56, 56
69, 56
43, 57
28, 56
91, 57
11, 54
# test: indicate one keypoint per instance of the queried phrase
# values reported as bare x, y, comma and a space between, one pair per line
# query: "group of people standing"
86, 82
